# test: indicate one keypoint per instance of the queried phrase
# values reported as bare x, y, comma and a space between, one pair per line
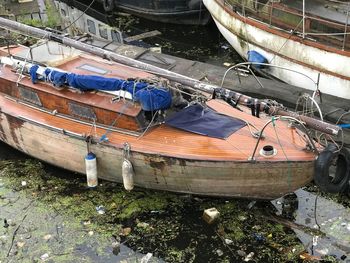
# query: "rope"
341, 116
87, 8
305, 111
93, 127
22, 68
290, 35
104, 136
148, 126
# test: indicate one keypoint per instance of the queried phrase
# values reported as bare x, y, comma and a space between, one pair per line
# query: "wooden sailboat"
196, 144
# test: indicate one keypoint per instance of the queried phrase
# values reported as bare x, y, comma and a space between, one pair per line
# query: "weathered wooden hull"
67, 149
285, 50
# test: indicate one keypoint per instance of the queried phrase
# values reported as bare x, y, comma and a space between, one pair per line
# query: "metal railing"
295, 21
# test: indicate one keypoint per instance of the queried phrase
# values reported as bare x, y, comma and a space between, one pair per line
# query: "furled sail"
151, 97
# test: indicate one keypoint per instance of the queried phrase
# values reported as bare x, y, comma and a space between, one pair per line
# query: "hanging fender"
91, 170
127, 169
128, 175
108, 5
332, 169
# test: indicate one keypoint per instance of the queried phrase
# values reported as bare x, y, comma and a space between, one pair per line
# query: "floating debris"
6, 225
47, 237
125, 231
20, 244
228, 241
251, 204
44, 257
116, 247
86, 223
219, 252
210, 215
249, 257
100, 209
146, 258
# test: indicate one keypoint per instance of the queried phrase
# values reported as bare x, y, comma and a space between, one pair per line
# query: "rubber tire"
108, 5
340, 182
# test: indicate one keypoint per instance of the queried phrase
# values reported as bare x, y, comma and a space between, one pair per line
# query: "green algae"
168, 225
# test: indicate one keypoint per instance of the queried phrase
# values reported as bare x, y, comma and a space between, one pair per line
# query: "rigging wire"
284, 153
285, 42
84, 12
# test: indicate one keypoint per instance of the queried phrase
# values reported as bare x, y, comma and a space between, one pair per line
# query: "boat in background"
125, 122
78, 20
190, 12
307, 45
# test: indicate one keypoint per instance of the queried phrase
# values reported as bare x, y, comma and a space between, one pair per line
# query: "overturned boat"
126, 122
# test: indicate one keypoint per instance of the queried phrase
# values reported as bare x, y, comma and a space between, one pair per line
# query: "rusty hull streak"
2, 132
160, 163
15, 124
160, 166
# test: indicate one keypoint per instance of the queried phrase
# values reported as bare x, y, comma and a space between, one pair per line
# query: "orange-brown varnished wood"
105, 110
163, 157
158, 162
168, 141
162, 139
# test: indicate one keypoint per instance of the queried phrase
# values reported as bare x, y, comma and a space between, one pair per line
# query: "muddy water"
34, 230
48, 214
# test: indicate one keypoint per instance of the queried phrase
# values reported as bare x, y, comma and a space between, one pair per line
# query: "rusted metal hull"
67, 149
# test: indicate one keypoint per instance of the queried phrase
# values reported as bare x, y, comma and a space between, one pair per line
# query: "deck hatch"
94, 69
81, 111
30, 96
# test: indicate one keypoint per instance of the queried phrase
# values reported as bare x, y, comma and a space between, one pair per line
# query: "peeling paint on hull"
334, 68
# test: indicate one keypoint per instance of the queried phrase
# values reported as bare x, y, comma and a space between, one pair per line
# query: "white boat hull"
334, 68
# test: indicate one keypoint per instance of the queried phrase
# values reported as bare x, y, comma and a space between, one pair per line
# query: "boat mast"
205, 87
303, 18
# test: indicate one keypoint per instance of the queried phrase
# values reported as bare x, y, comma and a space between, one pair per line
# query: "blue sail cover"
205, 121
150, 97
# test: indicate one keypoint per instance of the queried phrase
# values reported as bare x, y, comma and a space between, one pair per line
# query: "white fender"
128, 175
91, 169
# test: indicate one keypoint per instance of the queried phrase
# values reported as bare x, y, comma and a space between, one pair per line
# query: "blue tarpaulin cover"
205, 121
150, 97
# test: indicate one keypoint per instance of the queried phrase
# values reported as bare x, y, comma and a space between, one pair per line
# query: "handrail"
265, 64
265, 12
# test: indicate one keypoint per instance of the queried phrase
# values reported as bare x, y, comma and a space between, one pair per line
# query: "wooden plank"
143, 36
